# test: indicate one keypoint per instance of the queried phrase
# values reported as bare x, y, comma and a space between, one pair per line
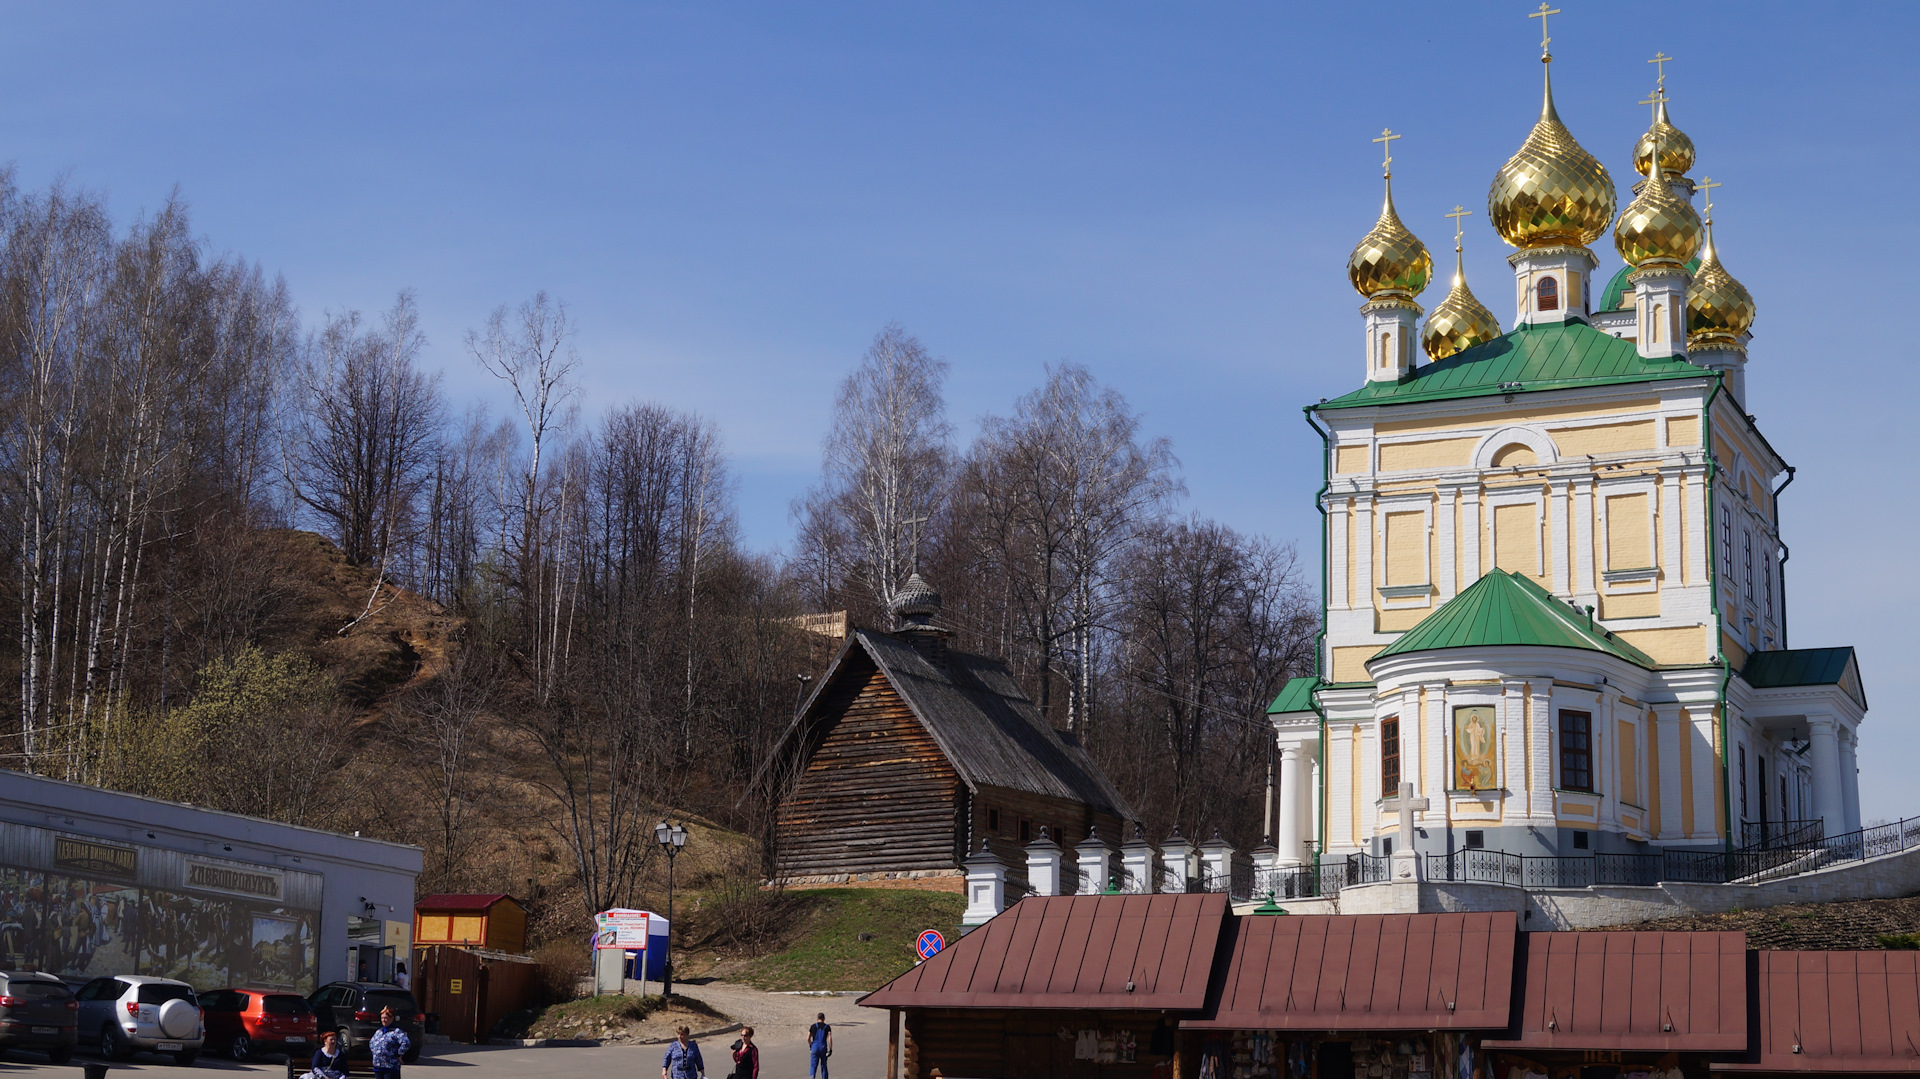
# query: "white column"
1447, 546
1668, 558
1176, 858
1095, 860
1850, 780
1583, 586
1216, 863
1043, 865
1559, 533
1667, 730
1470, 536
1829, 804
1136, 861
1337, 597
1362, 551
1706, 771
1292, 851
1698, 528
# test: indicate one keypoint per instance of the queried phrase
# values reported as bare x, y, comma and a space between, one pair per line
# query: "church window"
1581, 841
1576, 750
1726, 541
1766, 587
1547, 294
1476, 839
1743, 782
1390, 757
1653, 324
1746, 538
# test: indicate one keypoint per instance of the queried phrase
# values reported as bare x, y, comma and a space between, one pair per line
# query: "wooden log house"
907, 756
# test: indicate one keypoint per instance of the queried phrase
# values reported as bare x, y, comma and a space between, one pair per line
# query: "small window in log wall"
993, 820
1026, 831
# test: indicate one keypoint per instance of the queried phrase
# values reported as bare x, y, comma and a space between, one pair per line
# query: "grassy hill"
835, 939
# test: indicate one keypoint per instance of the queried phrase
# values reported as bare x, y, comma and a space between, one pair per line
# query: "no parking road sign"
929, 944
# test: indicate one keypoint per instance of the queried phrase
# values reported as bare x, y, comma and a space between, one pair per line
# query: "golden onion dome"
1719, 309
1551, 192
1389, 260
1676, 149
1460, 321
1659, 227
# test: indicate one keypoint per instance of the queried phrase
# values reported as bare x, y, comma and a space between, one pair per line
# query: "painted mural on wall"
1473, 748
81, 926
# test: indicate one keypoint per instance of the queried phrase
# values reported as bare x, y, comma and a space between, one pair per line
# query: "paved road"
859, 1041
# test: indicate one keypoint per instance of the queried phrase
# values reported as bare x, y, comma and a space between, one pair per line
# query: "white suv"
130, 1013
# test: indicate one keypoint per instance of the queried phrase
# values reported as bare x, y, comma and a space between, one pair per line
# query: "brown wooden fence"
471, 990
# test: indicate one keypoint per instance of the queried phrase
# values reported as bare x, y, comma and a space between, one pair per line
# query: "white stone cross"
1407, 805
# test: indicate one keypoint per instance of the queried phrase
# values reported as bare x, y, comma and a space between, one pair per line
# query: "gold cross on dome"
1458, 213
1705, 187
1542, 16
1655, 99
1662, 60
1386, 162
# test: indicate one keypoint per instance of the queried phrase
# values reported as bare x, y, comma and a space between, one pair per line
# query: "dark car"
353, 1009
38, 1012
242, 1022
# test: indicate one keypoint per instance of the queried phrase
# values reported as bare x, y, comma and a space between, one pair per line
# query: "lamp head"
679, 837
662, 833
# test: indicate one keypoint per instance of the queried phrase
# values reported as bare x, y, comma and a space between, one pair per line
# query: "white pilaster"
1698, 528
1470, 533
1668, 557
1706, 772
1337, 597
1559, 539
1446, 546
1176, 859
1137, 858
1584, 590
1667, 731
1850, 780
1362, 552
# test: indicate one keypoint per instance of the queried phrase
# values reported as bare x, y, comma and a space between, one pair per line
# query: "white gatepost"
1043, 866
1095, 863
1216, 864
986, 886
1176, 859
1137, 858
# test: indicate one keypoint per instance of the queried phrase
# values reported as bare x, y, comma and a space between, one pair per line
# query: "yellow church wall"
1604, 438
1350, 662
1398, 619
1406, 557
1629, 533
1439, 453
1674, 644
1629, 605
1516, 540
1349, 459
1502, 418
1625, 738
1683, 430
1736, 652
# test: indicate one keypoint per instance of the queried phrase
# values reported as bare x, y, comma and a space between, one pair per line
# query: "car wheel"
110, 1048
241, 1048
186, 1058
59, 1056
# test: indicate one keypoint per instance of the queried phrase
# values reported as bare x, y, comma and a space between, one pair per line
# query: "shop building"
1179, 987
99, 882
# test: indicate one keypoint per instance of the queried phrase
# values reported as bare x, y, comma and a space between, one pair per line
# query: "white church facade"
1556, 617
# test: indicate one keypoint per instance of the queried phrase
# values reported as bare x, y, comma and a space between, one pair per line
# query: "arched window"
1653, 328
1547, 294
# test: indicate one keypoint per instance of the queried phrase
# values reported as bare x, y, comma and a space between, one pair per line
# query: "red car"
242, 1022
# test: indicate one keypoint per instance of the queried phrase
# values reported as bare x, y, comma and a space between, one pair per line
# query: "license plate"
46, 1030
169, 1047
296, 1039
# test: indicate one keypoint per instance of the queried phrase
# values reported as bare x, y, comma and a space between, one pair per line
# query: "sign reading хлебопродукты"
90, 856
256, 882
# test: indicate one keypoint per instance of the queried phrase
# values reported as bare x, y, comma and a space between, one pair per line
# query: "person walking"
329, 1061
387, 1046
819, 1046
683, 1057
400, 977
746, 1056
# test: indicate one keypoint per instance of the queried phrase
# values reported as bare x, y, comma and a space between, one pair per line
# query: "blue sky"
734, 198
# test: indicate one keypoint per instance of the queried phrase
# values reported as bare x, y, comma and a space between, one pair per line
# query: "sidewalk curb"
589, 1043
819, 992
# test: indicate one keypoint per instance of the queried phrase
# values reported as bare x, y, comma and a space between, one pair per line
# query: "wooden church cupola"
914, 608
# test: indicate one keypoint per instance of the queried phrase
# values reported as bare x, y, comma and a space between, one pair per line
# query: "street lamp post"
671, 838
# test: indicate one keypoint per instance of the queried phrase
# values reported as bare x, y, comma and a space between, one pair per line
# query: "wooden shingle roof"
974, 709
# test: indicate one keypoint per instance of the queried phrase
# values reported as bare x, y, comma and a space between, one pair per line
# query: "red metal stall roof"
1093, 952
1366, 972
1655, 992
1837, 1012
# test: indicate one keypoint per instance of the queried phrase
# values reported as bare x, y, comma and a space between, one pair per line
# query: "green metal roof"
1508, 609
1296, 696
1611, 299
1805, 667
1529, 358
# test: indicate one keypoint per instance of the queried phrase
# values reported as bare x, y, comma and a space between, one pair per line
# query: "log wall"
1066, 823
877, 795
1021, 1044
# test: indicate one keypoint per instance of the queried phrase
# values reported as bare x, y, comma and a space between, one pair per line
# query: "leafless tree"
887, 461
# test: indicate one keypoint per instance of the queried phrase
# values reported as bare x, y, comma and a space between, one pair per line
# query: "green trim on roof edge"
1295, 696
1505, 608
1616, 289
1525, 360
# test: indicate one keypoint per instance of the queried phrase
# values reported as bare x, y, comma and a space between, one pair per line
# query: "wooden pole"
893, 1042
